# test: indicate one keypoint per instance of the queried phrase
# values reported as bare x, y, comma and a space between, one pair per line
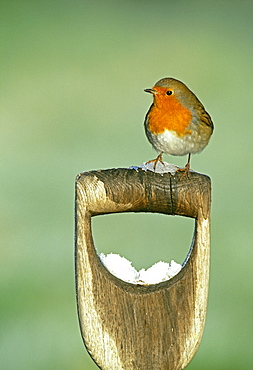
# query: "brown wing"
205, 117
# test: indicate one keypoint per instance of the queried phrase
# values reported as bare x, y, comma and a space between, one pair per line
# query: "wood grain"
126, 326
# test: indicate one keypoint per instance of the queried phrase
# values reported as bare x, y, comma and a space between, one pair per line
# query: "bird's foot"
185, 170
158, 159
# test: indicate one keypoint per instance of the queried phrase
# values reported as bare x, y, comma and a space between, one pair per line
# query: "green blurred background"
72, 100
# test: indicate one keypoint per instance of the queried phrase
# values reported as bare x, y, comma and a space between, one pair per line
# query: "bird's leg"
158, 159
186, 168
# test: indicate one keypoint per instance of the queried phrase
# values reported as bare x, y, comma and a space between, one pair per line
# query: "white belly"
170, 143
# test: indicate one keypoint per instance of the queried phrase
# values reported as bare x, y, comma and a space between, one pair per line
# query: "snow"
123, 269
160, 167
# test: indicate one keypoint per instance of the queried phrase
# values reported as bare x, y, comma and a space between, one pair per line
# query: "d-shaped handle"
127, 326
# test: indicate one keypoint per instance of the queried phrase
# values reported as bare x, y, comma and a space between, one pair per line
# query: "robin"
176, 123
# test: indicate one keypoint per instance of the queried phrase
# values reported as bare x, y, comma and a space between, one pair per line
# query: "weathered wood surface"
126, 326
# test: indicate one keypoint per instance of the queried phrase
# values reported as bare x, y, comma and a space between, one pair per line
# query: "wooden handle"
127, 326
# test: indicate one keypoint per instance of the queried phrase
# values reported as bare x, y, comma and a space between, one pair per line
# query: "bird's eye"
169, 92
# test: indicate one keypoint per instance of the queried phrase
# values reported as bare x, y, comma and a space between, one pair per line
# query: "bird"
176, 122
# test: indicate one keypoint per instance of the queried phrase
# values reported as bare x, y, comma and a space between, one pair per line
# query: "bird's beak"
151, 91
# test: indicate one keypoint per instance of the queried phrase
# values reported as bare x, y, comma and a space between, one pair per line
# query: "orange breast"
168, 113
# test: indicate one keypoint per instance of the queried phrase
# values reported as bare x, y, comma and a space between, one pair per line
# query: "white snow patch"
123, 269
161, 168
